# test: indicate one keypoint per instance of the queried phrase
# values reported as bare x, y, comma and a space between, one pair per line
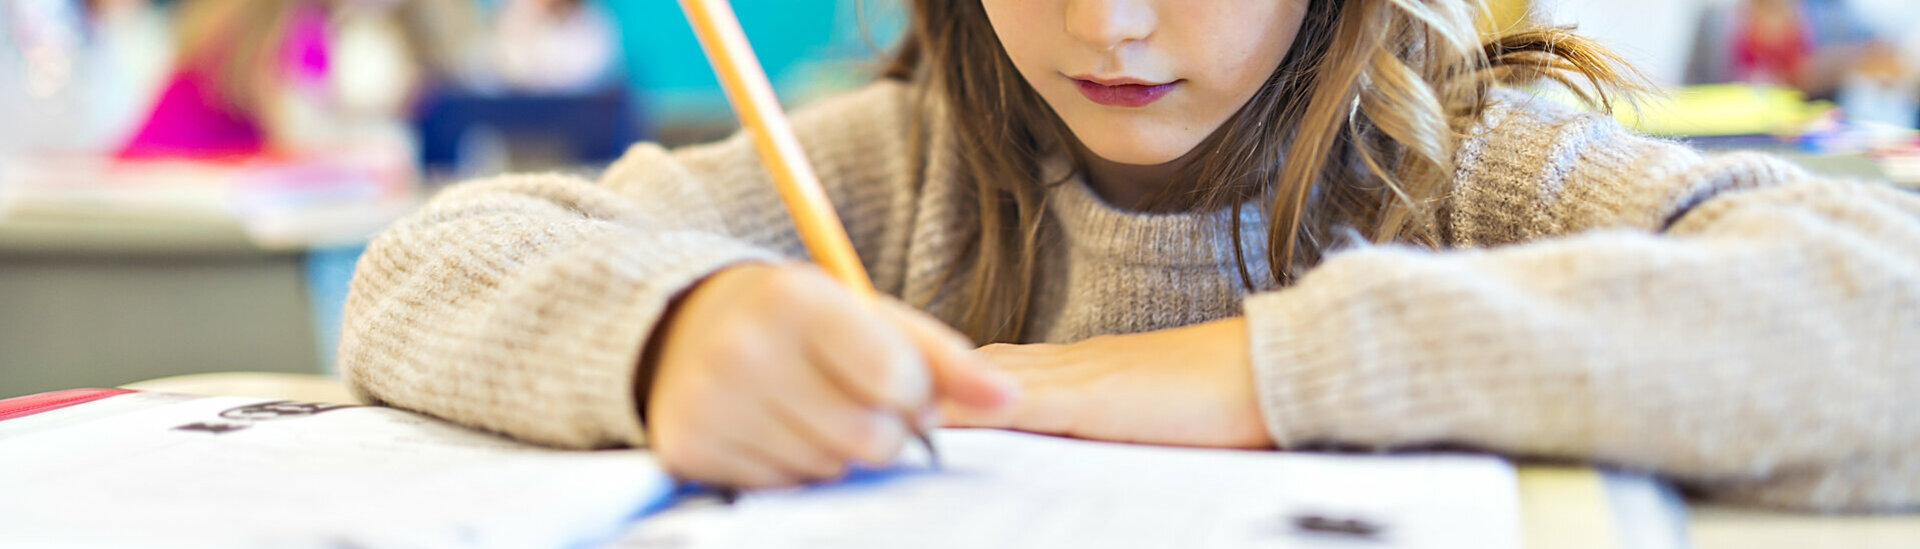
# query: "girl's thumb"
959, 375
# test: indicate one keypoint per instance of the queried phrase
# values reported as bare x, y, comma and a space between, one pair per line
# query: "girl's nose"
1109, 24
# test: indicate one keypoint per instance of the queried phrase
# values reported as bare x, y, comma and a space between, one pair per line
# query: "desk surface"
301, 387
1548, 524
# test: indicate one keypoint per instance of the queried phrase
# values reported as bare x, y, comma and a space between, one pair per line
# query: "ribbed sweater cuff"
1335, 362
1282, 358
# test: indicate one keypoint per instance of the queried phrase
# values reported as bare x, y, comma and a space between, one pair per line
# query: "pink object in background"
191, 119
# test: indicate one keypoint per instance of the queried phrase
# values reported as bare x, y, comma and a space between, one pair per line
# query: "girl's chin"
1135, 156
1137, 145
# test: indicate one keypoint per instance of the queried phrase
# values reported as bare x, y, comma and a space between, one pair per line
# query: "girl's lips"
1130, 95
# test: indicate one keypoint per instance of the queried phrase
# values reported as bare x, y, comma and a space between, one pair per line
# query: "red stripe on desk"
34, 404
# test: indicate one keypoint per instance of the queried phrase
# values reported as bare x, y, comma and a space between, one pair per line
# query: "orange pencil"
753, 99
759, 109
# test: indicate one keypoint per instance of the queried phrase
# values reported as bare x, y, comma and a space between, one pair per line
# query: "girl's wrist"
651, 348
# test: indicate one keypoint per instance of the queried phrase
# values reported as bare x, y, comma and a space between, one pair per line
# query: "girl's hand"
1189, 386
773, 375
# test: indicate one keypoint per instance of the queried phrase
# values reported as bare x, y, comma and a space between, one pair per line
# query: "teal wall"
807, 47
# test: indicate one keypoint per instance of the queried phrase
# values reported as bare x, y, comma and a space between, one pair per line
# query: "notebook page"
1003, 489
227, 472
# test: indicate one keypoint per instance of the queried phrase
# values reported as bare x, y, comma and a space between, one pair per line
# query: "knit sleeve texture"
521, 304
1728, 321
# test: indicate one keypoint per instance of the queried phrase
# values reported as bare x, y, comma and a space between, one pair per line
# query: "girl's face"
1142, 82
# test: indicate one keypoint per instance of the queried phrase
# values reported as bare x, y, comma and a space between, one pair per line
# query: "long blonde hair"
1378, 93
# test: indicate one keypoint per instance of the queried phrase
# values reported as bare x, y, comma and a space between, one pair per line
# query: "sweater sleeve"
521, 304
1731, 323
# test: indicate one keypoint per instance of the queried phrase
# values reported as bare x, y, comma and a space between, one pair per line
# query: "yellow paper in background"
1565, 508
1503, 15
1724, 109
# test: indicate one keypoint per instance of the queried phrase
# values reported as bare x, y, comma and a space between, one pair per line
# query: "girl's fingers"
864, 353
955, 415
959, 375
711, 460
818, 410
1050, 391
783, 440
742, 467
876, 436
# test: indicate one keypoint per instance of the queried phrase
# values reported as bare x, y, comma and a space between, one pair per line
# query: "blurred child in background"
277, 77
554, 46
1771, 43
1809, 45
1826, 49
242, 66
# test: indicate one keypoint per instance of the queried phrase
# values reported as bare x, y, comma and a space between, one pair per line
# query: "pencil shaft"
759, 110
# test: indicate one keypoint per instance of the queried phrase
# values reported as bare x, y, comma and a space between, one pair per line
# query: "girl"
1137, 204
289, 78
245, 67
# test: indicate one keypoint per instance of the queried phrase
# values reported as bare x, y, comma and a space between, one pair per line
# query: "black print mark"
279, 409
245, 416
215, 428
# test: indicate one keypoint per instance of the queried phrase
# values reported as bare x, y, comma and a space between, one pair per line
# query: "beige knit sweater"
1730, 322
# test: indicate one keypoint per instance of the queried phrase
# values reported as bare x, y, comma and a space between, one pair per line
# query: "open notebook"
157, 470
1011, 490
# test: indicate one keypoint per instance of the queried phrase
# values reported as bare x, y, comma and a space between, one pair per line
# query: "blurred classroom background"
185, 184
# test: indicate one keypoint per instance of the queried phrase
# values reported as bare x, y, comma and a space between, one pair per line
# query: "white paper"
1648, 512
237, 472
1002, 489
